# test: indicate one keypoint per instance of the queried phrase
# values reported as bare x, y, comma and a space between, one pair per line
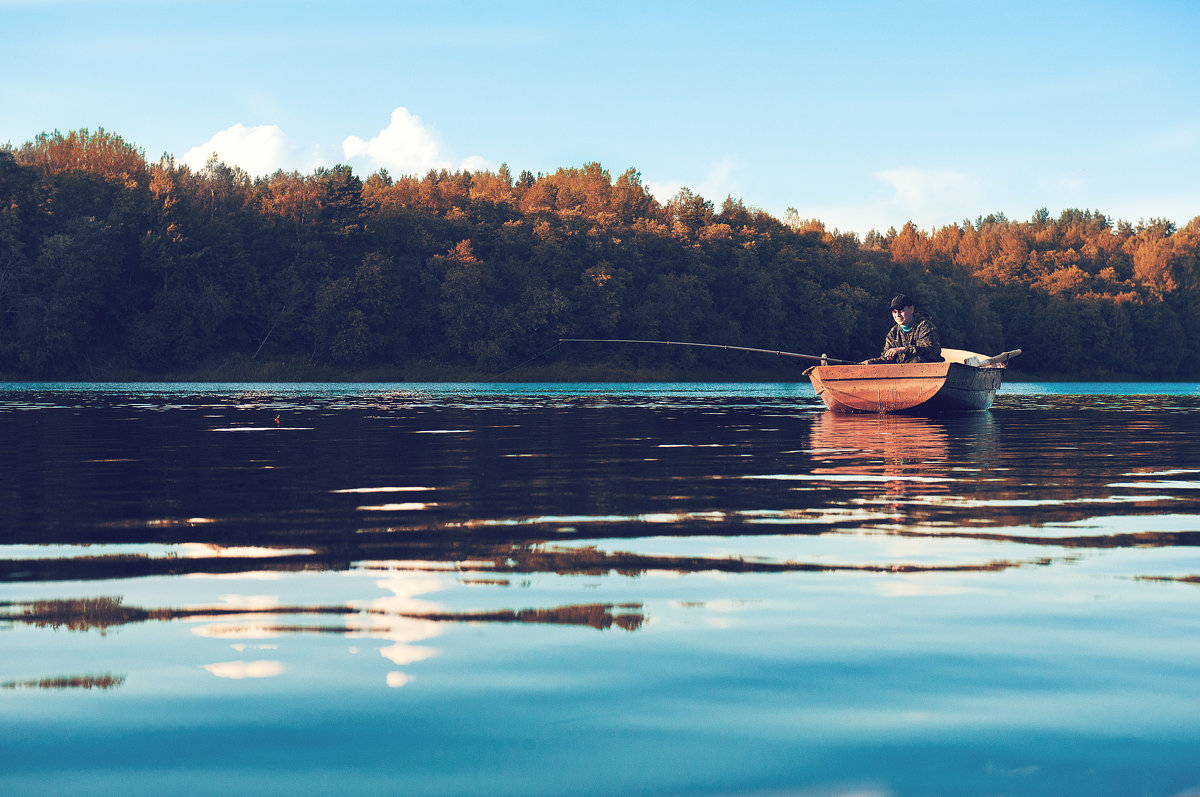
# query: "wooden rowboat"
965, 382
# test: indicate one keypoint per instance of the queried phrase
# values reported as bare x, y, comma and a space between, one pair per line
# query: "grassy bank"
241, 370
756, 369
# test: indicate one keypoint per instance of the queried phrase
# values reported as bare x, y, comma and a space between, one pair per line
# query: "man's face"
904, 315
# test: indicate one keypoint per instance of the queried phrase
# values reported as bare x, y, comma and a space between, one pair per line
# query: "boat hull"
907, 388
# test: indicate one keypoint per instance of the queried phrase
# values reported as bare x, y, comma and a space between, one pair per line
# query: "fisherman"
914, 339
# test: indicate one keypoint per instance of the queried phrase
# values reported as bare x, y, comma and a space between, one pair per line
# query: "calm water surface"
595, 590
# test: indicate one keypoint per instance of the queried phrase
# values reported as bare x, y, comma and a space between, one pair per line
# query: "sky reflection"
598, 589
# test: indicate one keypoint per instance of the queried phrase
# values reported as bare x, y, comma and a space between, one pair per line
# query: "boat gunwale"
929, 386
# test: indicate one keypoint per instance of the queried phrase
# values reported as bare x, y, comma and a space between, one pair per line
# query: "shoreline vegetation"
250, 373
115, 268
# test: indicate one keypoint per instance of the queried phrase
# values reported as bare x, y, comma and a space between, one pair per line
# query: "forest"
115, 267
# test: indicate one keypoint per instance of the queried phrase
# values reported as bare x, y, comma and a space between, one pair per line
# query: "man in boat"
914, 339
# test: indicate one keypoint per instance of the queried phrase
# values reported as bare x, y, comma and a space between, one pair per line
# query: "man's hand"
892, 354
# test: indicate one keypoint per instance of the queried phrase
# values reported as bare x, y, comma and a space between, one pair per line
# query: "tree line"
112, 264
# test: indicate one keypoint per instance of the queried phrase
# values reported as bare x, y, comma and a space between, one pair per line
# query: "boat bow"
908, 387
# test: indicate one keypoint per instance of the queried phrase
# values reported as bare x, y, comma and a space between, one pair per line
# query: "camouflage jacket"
921, 343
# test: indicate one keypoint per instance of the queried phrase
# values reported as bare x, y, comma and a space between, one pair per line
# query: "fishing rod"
821, 358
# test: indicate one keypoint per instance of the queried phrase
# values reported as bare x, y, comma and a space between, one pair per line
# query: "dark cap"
901, 301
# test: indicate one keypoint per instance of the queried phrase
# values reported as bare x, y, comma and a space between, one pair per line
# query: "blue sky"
860, 114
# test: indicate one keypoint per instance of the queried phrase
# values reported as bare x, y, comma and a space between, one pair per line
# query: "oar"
999, 359
821, 358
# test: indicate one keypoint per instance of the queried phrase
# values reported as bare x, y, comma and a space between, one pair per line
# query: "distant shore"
251, 372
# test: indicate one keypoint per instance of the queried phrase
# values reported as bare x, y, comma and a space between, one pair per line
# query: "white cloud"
663, 191
406, 146
475, 163
258, 150
718, 182
924, 189
1055, 185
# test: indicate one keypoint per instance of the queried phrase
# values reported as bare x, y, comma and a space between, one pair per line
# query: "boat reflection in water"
908, 456
874, 445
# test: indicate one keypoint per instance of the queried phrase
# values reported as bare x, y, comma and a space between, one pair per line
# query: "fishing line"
821, 358
531, 359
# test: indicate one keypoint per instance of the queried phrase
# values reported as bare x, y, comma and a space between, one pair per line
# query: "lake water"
596, 590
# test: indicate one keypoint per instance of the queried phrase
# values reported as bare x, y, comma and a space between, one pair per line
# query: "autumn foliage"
111, 264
